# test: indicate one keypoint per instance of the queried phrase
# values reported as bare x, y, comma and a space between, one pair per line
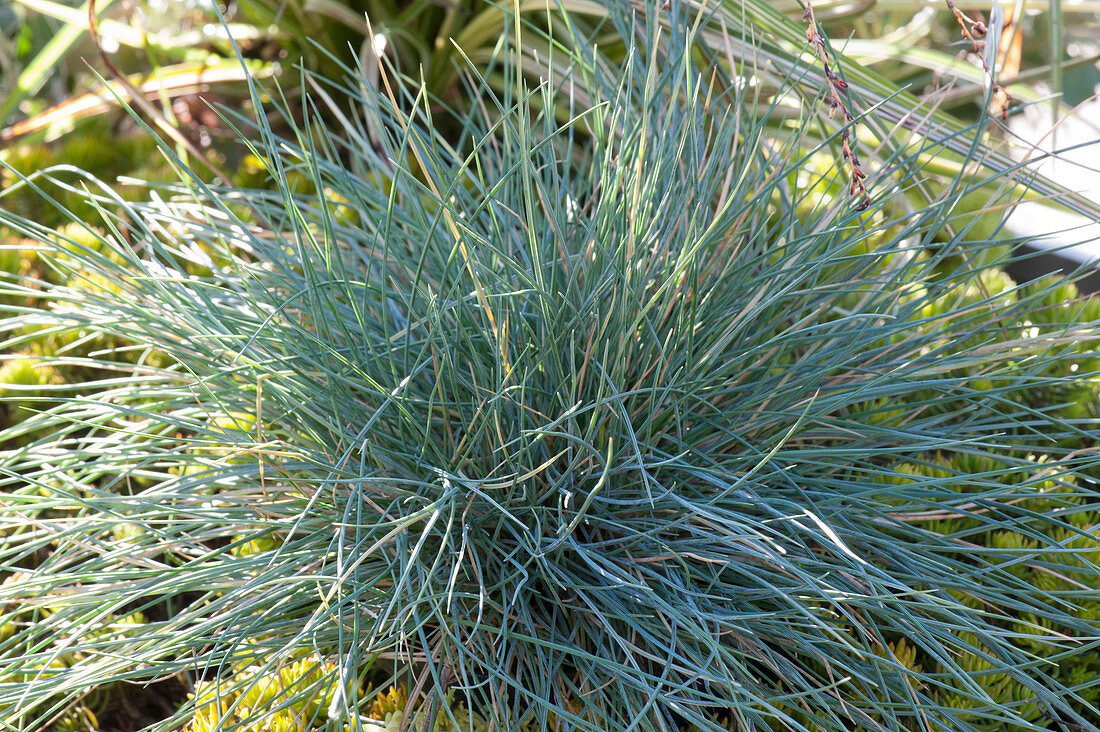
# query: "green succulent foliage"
1067, 390
256, 700
621, 429
293, 696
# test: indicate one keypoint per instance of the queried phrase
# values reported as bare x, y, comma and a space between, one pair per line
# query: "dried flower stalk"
837, 87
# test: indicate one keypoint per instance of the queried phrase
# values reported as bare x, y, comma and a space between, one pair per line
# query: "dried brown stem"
838, 100
976, 32
972, 29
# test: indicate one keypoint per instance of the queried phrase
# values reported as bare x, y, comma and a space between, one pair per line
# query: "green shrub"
630, 433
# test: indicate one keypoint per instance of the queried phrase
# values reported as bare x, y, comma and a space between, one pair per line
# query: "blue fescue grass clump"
627, 422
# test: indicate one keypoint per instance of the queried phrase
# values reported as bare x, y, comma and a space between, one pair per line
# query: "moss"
21, 386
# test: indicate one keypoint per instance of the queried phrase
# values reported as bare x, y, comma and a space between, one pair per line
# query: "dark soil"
131, 707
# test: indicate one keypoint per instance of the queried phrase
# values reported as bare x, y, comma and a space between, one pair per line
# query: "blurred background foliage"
1046, 50
907, 56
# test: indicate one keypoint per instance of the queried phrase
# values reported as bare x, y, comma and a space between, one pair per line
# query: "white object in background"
1069, 235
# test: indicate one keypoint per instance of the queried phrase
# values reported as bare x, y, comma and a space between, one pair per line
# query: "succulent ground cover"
636, 419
